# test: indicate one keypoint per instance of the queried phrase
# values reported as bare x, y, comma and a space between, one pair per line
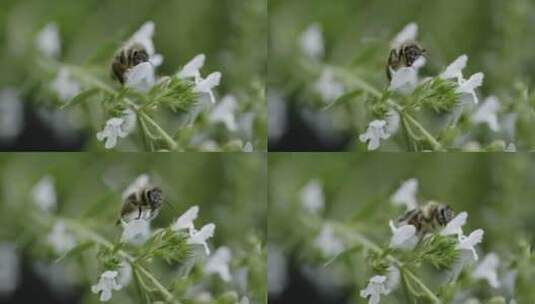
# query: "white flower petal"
117, 127
44, 194
487, 270
311, 42
404, 80
327, 241
60, 239
375, 288
487, 113
218, 263
136, 231
312, 198
455, 69
48, 41
65, 86
407, 34
224, 113
403, 237
107, 282
185, 221
328, 87
406, 194
141, 77
143, 36
470, 241
191, 69
455, 225
200, 237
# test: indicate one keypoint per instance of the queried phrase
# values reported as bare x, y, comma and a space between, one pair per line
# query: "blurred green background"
228, 188
496, 190
496, 35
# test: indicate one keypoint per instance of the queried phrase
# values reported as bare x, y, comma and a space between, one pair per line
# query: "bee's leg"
139, 214
393, 61
118, 70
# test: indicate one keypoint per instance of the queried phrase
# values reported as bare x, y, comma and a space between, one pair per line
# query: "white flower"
373, 135
9, 269
466, 87
124, 273
191, 69
277, 270
48, 41
136, 231
185, 221
487, 270
277, 115
328, 87
117, 127
511, 147
403, 237
392, 278
143, 36
44, 194
105, 285
311, 42
312, 198
65, 86
141, 77
455, 69
218, 263
405, 79
455, 225
60, 239
487, 113
224, 113
248, 147
407, 34
375, 288
11, 114
200, 237
392, 121
328, 242
207, 84
244, 300
406, 194
468, 242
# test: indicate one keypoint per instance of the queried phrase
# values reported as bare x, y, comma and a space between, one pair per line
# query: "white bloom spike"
48, 41
406, 194
105, 285
408, 33
327, 241
141, 77
117, 127
376, 287
66, 87
487, 113
224, 113
60, 239
311, 42
311, 197
218, 263
455, 225
328, 87
470, 241
136, 231
404, 80
487, 270
373, 135
200, 237
44, 194
469, 86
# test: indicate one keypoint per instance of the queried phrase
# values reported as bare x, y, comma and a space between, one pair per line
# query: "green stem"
436, 145
168, 139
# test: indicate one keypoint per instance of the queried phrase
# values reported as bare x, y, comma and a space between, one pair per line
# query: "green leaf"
81, 97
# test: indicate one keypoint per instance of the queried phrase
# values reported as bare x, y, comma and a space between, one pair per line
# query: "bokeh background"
496, 190
228, 188
231, 33
496, 36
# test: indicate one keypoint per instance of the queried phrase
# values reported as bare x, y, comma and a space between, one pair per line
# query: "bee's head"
412, 52
445, 215
139, 56
155, 197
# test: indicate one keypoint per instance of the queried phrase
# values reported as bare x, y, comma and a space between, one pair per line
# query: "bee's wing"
408, 33
139, 183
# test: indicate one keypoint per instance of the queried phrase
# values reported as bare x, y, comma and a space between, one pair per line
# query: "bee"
427, 218
404, 56
144, 203
126, 58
